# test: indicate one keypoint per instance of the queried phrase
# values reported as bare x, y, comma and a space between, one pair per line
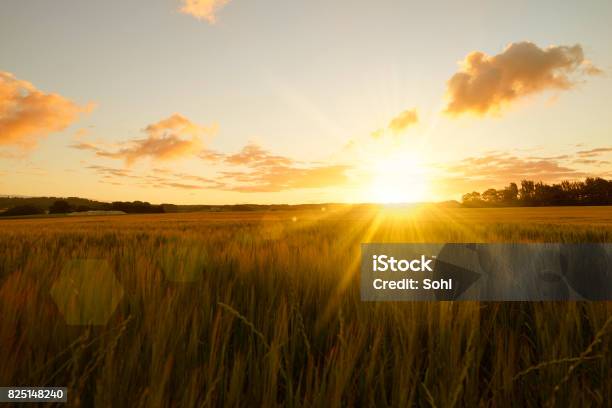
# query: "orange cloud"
595, 152
257, 170
253, 155
168, 139
203, 9
486, 84
404, 120
211, 155
28, 114
85, 146
497, 169
117, 176
504, 167
269, 172
399, 123
279, 178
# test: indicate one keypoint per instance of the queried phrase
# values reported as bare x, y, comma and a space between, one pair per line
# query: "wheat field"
263, 309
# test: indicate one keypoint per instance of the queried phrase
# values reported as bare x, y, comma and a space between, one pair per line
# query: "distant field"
263, 308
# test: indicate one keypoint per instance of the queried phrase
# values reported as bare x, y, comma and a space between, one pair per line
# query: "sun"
399, 178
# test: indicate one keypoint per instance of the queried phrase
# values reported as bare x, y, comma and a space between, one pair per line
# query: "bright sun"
399, 178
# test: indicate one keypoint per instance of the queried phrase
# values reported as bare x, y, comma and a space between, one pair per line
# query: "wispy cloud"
110, 171
203, 9
280, 178
168, 139
183, 186
404, 120
211, 155
487, 84
497, 169
591, 161
595, 152
28, 114
85, 146
503, 167
160, 178
252, 169
254, 155
268, 172
399, 124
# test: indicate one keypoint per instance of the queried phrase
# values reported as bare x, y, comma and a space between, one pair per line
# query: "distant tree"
82, 208
572, 192
136, 207
22, 210
593, 191
472, 199
510, 194
170, 208
60, 207
527, 191
598, 191
548, 194
490, 196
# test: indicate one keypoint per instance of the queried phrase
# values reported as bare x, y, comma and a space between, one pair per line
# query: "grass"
263, 309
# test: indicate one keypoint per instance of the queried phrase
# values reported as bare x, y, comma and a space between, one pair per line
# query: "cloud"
503, 167
399, 123
28, 114
253, 155
167, 178
268, 172
110, 171
168, 139
591, 161
487, 84
252, 169
404, 120
211, 155
183, 186
497, 169
85, 146
203, 9
280, 178
594, 152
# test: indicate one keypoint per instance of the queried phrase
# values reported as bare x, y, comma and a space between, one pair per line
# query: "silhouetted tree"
472, 199
22, 210
60, 207
136, 207
593, 191
490, 196
598, 190
510, 194
527, 191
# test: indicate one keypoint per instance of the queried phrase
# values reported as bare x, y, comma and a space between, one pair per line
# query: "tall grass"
263, 309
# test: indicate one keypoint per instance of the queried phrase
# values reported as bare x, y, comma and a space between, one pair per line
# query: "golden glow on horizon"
398, 178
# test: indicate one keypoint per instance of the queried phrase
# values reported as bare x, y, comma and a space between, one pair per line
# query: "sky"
276, 101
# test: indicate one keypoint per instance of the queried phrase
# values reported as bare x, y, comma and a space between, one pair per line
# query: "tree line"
66, 207
592, 191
